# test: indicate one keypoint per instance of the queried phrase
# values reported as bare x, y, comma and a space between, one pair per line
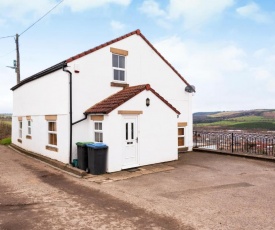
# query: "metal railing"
260, 144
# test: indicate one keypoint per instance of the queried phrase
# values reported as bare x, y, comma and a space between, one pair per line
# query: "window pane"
99, 126
181, 131
115, 60
52, 139
29, 131
121, 75
29, 123
52, 126
20, 124
96, 125
122, 62
132, 130
180, 141
20, 133
126, 131
116, 74
98, 137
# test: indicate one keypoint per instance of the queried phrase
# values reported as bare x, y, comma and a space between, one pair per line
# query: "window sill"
55, 149
117, 84
28, 137
19, 140
182, 149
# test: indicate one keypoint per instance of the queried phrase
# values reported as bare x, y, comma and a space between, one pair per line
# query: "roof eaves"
162, 98
41, 74
159, 54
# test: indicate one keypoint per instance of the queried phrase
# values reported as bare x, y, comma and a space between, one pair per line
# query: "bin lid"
97, 145
83, 144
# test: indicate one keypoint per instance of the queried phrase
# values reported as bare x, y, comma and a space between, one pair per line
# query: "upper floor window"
119, 67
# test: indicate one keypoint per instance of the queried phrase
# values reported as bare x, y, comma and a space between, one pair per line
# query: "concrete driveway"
200, 191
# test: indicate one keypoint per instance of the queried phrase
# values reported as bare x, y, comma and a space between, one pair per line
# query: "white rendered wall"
48, 95
143, 66
157, 132
39, 136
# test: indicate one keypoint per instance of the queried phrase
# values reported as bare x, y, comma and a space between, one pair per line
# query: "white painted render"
157, 132
50, 95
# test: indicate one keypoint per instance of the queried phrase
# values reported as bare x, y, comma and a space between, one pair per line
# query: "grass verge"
5, 141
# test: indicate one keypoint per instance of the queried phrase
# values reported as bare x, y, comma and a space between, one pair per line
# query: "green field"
255, 120
5, 128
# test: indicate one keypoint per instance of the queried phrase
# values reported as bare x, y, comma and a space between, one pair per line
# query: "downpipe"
71, 111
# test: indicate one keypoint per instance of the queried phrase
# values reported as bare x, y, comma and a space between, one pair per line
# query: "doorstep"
103, 178
128, 173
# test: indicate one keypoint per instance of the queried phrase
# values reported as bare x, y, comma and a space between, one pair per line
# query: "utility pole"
17, 70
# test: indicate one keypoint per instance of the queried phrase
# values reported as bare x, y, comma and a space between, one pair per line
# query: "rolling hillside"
255, 120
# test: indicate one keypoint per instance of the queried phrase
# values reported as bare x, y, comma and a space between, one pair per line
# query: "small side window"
20, 129
98, 132
52, 132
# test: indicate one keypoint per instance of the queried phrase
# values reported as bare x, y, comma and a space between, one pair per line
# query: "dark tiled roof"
115, 100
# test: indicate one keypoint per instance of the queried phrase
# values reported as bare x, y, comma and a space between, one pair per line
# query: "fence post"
196, 139
232, 146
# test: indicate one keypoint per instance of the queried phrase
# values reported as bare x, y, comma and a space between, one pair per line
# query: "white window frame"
99, 131
20, 129
180, 136
52, 132
29, 127
119, 69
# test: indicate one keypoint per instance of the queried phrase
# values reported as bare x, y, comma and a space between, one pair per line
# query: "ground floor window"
181, 137
52, 133
29, 128
98, 132
20, 129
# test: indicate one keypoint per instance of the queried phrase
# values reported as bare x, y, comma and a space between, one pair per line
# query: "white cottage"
123, 93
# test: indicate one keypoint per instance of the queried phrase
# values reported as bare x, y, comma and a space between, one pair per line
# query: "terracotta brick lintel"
182, 124
97, 117
130, 112
119, 51
51, 117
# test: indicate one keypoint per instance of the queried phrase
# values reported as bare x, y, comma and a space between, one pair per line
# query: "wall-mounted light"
147, 102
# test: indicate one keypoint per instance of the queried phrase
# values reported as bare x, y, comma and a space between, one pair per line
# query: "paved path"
202, 191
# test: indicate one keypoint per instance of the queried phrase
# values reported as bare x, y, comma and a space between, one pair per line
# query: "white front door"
130, 156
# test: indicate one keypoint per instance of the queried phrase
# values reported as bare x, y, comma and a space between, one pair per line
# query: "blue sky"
226, 48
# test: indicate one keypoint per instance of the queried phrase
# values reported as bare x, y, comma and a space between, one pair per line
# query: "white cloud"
197, 12
252, 11
88, 4
193, 13
116, 25
20, 10
25, 10
151, 8
225, 76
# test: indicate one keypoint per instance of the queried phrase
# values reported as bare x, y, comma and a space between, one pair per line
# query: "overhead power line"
42, 17
7, 36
